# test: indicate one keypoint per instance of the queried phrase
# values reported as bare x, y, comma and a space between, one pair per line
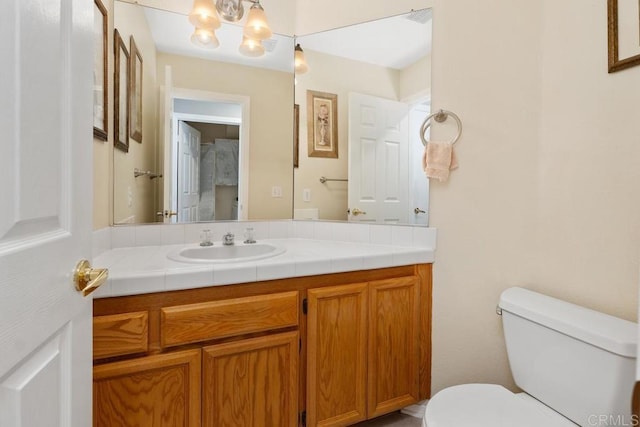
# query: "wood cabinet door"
393, 345
152, 391
252, 382
337, 355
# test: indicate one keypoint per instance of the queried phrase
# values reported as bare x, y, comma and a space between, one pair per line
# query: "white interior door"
45, 222
188, 172
378, 160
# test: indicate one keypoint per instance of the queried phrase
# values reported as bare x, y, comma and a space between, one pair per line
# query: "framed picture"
322, 124
624, 34
100, 94
135, 88
121, 94
296, 134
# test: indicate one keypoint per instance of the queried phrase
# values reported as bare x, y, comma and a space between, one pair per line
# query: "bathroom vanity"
320, 349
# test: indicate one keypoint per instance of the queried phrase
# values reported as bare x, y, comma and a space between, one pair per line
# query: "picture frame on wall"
322, 124
623, 21
100, 80
296, 135
121, 93
135, 96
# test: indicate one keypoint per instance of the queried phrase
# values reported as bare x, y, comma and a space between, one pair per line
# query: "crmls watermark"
609, 420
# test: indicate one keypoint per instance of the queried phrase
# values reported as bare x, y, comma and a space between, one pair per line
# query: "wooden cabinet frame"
153, 305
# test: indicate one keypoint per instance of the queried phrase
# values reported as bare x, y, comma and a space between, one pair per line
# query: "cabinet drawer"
119, 334
218, 319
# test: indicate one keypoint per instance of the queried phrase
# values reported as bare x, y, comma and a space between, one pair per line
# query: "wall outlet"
306, 195
276, 191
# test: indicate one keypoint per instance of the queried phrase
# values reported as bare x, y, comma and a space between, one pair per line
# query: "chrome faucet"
227, 239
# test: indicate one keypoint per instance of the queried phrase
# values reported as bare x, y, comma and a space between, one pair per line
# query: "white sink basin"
220, 253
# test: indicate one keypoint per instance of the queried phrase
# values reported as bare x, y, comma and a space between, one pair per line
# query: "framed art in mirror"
121, 94
623, 21
100, 81
322, 124
296, 135
135, 96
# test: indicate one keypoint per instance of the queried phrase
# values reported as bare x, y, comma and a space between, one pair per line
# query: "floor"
395, 419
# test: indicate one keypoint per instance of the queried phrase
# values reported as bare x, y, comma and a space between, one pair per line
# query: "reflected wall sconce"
205, 17
300, 63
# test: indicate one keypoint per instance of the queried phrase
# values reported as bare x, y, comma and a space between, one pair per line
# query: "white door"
188, 172
378, 160
419, 183
45, 222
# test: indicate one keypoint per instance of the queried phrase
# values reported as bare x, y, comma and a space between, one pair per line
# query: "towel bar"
323, 179
440, 116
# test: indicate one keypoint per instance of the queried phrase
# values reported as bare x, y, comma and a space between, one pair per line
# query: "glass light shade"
251, 47
256, 26
205, 38
204, 15
300, 64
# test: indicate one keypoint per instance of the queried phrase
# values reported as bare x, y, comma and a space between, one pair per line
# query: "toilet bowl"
489, 405
576, 366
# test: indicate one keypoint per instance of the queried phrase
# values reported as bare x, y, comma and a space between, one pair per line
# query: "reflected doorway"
206, 153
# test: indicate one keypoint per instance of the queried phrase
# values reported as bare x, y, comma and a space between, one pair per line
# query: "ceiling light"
256, 26
230, 10
251, 47
300, 64
205, 38
204, 15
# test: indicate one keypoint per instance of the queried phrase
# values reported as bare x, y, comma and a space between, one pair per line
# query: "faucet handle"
248, 235
205, 238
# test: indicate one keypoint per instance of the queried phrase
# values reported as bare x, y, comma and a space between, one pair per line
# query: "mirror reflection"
216, 125
375, 78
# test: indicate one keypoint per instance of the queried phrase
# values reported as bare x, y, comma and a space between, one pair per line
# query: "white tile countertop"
144, 269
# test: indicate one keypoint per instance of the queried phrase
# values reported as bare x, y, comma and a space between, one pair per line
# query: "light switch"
276, 191
306, 195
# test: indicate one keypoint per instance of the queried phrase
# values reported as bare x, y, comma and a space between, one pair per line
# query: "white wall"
547, 191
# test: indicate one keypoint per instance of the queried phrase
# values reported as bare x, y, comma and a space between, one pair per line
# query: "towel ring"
440, 116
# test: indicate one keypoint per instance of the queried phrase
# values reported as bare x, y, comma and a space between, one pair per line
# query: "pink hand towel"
438, 159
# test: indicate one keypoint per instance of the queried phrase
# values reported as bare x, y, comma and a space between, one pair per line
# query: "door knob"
356, 212
167, 213
87, 279
418, 211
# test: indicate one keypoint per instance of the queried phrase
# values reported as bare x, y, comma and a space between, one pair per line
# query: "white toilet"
575, 365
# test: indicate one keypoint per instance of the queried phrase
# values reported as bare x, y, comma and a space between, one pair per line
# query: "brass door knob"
87, 279
167, 213
356, 212
418, 211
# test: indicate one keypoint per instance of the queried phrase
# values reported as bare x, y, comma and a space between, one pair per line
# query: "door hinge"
303, 418
305, 306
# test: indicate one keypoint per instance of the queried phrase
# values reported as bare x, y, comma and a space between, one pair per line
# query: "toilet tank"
578, 361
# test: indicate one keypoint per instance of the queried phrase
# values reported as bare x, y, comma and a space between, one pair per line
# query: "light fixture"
256, 26
205, 18
203, 15
300, 64
205, 37
251, 47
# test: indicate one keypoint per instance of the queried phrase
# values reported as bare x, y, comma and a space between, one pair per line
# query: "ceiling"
394, 42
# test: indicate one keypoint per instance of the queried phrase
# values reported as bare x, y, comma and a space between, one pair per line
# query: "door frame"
170, 150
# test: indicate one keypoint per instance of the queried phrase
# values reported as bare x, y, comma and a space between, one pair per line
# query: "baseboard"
416, 410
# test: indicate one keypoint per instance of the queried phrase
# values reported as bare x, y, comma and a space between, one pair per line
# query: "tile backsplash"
170, 234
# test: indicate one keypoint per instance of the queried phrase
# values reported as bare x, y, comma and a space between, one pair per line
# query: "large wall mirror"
216, 132
377, 75
218, 128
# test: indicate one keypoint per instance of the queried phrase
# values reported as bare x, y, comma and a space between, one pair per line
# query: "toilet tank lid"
601, 330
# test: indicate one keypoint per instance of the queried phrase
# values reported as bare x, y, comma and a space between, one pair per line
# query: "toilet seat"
488, 405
